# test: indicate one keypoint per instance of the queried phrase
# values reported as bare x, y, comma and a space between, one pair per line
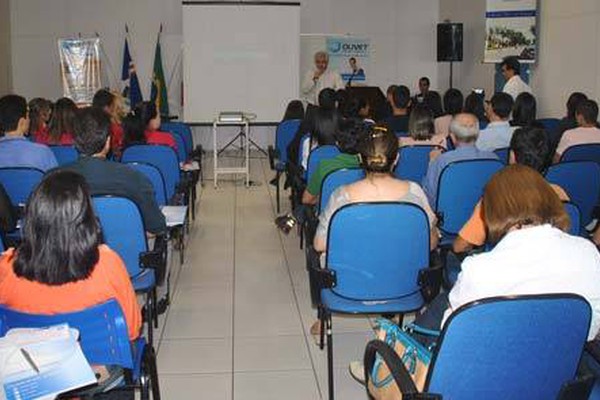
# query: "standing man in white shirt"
320, 78
511, 70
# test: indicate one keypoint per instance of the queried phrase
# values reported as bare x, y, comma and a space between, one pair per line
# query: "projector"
231, 116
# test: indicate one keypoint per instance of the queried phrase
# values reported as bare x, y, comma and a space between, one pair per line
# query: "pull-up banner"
80, 68
511, 30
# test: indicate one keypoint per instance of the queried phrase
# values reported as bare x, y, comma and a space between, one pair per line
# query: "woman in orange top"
141, 127
61, 265
60, 131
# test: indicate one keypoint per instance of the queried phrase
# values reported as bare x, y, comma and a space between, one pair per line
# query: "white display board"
240, 57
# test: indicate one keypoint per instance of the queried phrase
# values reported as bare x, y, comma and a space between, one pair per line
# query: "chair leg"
321, 328
330, 356
155, 308
277, 195
153, 373
301, 227
149, 318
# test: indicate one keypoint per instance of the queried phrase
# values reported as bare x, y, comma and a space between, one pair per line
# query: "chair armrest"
578, 388
273, 154
324, 278
156, 259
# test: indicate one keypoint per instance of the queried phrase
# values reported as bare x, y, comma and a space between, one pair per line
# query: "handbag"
413, 355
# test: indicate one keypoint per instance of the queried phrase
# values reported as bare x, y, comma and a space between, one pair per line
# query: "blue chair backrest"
336, 179
102, 331
581, 181
582, 152
122, 229
550, 124
20, 182
377, 249
183, 130
575, 217
413, 162
523, 347
181, 153
460, 188
284, 135
162, 157
65, 154
502, 154
317, 155
155, 177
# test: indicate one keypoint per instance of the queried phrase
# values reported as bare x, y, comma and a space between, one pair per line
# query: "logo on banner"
351, 57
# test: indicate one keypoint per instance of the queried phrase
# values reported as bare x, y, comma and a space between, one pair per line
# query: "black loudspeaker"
449, 42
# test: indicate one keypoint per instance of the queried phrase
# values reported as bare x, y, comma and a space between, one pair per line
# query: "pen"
29, 360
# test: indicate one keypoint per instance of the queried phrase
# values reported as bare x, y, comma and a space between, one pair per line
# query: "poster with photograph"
511, 30
80, 69
351, 57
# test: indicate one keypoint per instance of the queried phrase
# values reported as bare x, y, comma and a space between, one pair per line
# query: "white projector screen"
240, 56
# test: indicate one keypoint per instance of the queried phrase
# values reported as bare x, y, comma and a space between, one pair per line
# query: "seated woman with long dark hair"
142, 126
60, 130
61, 265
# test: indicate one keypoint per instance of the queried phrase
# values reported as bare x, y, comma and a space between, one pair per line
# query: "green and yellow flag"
159, 92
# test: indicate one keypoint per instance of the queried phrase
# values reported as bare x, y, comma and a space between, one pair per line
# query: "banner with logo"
511, 30
80, 69
351, 57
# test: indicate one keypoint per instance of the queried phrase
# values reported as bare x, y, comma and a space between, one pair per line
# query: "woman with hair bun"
378, 152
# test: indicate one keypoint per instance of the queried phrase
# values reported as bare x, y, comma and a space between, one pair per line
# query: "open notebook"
174, 215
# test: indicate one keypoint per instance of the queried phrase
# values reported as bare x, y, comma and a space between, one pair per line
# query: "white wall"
569, 51
4, 47
402, 33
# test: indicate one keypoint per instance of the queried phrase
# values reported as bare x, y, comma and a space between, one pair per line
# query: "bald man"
464, 130
319, 78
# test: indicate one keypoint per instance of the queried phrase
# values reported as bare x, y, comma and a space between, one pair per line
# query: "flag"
132, 89
159, 87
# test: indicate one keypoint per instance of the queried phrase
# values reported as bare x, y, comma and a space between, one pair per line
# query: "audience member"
142, 127
433, 100
347, 139
568, 121
40, 112
109, 103
61, 265
324, 125
294, 110
389, 99
511, 70
398, 122
474, 104
498, 132
341, 98
320, 77
525, 111
358, 108
464, 130
587, 131
421, 129
15, 149
453, 104
378, 154
105, 177
60, 131
424, 84
529, 146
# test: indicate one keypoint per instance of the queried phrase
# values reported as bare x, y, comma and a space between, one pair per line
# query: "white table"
245, 169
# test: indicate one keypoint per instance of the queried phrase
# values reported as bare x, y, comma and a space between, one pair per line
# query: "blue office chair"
65, 154
581, 181
317, 155
334, 180
278, 156
162, 157
549, 124
460, 187
123, 231
413, 162
155, 177
582, 152
183, 130
575, 217
374, 254
503, 154
518, 347
20, 182
103, 338
181, 153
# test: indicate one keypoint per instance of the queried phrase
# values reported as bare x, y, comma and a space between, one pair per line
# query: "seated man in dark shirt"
398, 122
92, 140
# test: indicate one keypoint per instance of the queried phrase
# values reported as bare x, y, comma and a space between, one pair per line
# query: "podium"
244, 124
374, 96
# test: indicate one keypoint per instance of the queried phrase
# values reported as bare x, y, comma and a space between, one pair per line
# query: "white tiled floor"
238, 324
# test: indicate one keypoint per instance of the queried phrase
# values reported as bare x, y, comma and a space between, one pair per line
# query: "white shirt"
311, 89
496, 135
536, 260
515, 86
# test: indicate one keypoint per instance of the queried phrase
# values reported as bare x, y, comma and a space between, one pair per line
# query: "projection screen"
240, 56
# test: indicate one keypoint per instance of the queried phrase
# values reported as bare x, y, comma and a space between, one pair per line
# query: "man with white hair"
319, 78
464, 130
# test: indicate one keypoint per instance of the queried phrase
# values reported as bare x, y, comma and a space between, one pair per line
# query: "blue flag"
132, 89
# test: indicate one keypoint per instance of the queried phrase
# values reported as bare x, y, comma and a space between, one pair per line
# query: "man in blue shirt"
464, 130
498, 132
15, 149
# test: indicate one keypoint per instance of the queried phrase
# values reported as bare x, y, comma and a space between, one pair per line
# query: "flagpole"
109, 63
